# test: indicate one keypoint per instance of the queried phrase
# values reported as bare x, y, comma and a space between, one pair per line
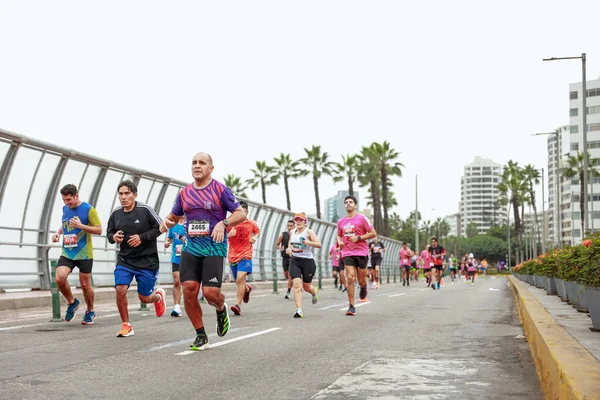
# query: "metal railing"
31, 174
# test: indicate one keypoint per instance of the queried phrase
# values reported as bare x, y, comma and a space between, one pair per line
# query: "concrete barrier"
565, 368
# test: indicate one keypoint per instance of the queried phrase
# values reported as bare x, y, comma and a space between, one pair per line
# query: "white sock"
177, 308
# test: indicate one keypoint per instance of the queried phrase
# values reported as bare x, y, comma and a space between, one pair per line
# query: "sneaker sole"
235, 310
164, 301
88, 323
228, 320
129, 334
201, 348
350, 313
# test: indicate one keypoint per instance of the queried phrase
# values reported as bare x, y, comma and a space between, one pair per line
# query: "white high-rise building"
479, 195
570, 142
571, 210
454, 223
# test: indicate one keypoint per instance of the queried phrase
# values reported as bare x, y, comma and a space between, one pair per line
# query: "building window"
593, 127
573, 96
574, 128
593, 92
573, 112
575, 146
593, 110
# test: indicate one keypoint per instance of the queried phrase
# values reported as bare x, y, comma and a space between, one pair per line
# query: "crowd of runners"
206, 226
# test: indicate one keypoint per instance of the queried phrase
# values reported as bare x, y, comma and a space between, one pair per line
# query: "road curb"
565, 368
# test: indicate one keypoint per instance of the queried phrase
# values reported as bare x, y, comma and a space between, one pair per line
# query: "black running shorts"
286, 263
356, 261
304, 268
85, 266
175, 267
207, 270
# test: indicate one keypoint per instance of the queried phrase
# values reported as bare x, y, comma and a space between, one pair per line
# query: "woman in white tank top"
302, 263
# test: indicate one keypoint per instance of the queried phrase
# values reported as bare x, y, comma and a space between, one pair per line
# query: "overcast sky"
149, 83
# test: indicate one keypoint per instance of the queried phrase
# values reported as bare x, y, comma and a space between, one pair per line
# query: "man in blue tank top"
79, 222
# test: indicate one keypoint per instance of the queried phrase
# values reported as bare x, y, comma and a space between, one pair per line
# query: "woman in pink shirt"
426, 265
337, 268
405, 255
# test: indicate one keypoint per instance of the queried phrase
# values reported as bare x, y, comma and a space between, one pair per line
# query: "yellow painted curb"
565, 368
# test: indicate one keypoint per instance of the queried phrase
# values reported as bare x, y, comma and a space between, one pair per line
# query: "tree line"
373, 167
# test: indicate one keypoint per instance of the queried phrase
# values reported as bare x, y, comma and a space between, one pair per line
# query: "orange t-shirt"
239, 244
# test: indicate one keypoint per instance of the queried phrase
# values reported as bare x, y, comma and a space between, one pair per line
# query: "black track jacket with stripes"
143, 221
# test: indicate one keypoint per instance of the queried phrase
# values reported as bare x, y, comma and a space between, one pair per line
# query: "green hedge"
578, 263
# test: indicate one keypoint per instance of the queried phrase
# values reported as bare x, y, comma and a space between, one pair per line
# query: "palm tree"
288, 169
444, 228
387, 165
574, 168
532, 176
347, 169
264, 175
512, 189
319, 165
370, 177
236, 185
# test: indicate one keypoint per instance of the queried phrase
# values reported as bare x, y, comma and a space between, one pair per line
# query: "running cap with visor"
301, 216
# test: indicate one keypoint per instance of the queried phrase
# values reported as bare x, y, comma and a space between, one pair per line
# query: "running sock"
335, 282
200, 331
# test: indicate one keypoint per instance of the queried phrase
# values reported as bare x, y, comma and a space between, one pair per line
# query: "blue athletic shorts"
242, 266
145, 278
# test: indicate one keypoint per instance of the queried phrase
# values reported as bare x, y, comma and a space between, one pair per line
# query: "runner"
302, 264
353, 232
484, 267
176, 238
437, 254
426, 265
377, 249
414, 268
134, 227
205, 204
471, 269
452, 267
241, 238
282, 244
79, 222
405, 255
334, 257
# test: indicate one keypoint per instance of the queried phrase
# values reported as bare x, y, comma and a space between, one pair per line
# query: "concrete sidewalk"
565, 351
43, 298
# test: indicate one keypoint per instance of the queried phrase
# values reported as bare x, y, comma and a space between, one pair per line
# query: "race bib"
70, 240
430, 264
198, 228
296, 247
348, 230
178, 249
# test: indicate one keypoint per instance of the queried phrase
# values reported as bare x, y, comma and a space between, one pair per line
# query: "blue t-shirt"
177, 234
77, 243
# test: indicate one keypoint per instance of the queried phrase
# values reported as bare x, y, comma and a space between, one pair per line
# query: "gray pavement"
406, 343
577, 324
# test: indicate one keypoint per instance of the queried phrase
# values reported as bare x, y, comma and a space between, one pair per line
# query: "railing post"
320, 276
55, 294
274, 266
394, 275
143, 307
388, 274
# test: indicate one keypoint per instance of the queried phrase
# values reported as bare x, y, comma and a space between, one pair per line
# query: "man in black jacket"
134, 227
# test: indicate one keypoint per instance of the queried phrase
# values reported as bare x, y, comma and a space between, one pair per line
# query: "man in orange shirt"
241, 238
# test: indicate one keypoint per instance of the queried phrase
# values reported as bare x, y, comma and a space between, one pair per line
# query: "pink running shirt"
426, 259
335, 256
358, 225
404, 257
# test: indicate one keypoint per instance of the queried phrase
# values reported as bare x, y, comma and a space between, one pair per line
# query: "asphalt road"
406, 343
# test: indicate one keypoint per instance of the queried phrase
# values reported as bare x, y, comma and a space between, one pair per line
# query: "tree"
347, 169
319, 165
288, 169
484, 246
386, 156
512, 190
472, 230
574, 168
370, 177
236, 185
264, 175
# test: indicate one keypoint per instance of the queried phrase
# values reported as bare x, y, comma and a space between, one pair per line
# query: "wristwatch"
226, 222
359, 237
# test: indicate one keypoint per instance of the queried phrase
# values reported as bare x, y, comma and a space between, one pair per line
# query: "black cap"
244, 204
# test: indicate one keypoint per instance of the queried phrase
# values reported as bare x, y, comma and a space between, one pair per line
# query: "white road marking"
331, 306
177, 343
397, 294
224, 342
420, 290
356, 306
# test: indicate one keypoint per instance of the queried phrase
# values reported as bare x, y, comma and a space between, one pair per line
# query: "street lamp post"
557, 201
585, 144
